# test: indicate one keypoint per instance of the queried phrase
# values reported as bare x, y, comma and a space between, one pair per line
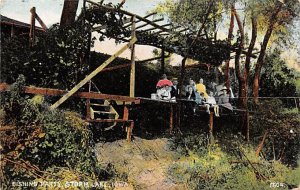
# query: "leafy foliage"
55, 60
43, 139
227, 164
277, 79
282, 141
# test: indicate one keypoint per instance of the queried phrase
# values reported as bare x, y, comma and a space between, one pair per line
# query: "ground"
145, 161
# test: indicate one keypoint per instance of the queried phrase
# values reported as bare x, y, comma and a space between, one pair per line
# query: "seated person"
190, 94
201, 88
211, 101
174, 88
224, 99
164, 93
163, 87
164, 82
193, 86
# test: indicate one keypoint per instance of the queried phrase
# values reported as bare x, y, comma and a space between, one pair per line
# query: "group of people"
168, 90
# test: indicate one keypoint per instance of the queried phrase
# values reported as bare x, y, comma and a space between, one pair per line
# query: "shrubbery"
42, 143
230, 164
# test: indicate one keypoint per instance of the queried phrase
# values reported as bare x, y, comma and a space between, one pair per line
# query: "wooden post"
182, 74
132, 71
211, 124
129, 131
125, 113
90, 76
12, 31
162, 60
88, 104
247, 125
32, 27
179, 115
171, 118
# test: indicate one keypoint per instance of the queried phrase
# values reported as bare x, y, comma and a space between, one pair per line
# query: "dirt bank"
146, 162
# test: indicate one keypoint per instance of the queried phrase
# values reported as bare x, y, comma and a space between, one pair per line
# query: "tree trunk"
181, 80
243, 94
260, 60
227, 77
69, 12
242, 82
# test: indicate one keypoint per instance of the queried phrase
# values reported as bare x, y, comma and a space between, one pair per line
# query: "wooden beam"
41, 22
129, 64
132, 71
90, 76
140, 20
87, 95
32, 27
156, 20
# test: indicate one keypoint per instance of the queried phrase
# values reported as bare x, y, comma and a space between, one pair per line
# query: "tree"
277, 79
278, 15
69, 12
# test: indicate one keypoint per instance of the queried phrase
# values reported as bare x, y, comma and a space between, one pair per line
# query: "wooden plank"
90, 76
88, 95
155, 20
108, 120
116, 67
125, 26
132, 71
41, 22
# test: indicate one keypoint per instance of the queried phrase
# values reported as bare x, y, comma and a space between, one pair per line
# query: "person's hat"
224, 88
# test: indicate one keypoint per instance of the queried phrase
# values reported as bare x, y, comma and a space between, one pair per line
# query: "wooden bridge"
100, 110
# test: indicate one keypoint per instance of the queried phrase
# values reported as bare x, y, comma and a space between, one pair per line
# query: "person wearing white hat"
224, 99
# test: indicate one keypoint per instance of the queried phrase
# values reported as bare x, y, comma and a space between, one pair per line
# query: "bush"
41, 139
230, 163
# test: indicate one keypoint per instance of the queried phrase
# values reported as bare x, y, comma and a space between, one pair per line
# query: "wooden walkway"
175, 107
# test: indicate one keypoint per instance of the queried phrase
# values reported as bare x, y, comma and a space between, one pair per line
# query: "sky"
50, 12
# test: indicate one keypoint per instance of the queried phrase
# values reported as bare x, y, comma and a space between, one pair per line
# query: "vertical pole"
32, 27
125, 113
12, 31
179, 115
247, 125
129, 131
211, 124
132, 71
88, 104
162, 60
171, 118
182, 74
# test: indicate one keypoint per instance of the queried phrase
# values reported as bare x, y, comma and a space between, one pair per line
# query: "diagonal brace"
94, 73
